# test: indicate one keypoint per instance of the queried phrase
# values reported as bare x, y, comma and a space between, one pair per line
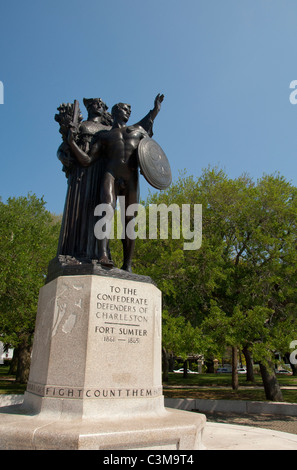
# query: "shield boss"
154, 164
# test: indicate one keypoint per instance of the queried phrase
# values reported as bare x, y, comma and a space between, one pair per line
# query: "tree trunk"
234, 368
171, 362
271, 385
165, 365
249, 365
185, 375
209, 366
14, 362
24, 359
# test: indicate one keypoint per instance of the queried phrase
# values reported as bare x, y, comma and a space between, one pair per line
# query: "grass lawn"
219, 380
206, 386
218, 387
8, 384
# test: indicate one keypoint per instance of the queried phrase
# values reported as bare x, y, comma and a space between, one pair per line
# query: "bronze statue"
77, 237
101, 158
117, 148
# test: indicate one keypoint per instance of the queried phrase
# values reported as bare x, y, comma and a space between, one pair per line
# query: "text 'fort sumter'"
123, 315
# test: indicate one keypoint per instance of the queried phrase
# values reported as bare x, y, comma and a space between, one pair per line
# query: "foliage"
239, 288
179, 336
28, 240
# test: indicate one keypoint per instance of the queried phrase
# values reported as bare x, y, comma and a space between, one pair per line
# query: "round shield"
154, 164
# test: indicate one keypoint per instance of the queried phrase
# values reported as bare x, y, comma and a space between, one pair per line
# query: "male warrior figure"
118, 148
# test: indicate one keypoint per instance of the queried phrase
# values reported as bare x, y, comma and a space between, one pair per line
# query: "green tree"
258, 224
245, 266
28, 240
180, 339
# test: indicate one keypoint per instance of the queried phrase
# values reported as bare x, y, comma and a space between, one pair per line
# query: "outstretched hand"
158, 100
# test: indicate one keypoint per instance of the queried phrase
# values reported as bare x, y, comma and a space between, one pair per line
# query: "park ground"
209, 386
218, 387
204, 386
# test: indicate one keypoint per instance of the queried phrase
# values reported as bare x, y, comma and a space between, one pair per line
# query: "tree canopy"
28, 240
240, 287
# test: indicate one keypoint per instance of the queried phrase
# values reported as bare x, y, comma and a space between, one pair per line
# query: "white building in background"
5, 355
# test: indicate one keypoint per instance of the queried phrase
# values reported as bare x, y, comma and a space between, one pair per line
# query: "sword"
73, 125
74, 122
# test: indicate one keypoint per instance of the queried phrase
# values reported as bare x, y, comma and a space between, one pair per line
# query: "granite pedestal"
95, 377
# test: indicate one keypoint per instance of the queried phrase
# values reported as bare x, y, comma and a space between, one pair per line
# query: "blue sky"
224, 66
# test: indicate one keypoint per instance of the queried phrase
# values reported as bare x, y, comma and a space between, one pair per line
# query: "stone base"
95, 377
97, 349
64, 265
170, 430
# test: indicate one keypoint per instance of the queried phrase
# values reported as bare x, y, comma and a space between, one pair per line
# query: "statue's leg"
131, 197
108, 201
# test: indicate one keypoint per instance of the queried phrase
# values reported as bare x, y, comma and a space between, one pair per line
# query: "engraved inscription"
123, 316
76, 392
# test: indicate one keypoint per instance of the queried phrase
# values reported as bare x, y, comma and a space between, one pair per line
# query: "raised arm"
158, 100
148, 120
